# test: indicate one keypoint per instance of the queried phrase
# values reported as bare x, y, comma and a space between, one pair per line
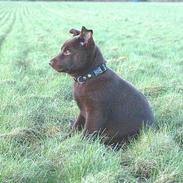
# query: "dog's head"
75, 53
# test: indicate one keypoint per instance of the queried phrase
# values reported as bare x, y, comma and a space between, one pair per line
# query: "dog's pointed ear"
74, 32
86, 36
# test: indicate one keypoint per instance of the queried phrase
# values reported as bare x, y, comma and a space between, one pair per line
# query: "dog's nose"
51, 62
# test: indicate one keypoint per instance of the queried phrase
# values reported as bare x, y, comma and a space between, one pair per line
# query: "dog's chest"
85, 96
81, 93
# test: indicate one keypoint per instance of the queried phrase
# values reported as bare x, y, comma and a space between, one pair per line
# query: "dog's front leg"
79, 123
94, 123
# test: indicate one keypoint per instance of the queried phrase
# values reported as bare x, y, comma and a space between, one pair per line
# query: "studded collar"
100, 69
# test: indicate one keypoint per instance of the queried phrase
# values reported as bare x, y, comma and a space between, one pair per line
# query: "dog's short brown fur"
107, 103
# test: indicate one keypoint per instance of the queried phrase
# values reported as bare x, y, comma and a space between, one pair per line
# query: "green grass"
143, 43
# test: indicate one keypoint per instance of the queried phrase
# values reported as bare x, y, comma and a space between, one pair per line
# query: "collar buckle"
97, 71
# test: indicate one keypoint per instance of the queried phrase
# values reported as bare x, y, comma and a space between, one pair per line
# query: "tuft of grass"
155, 157
178, 136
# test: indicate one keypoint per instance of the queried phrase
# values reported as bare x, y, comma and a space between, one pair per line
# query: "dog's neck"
97, 58
94, 59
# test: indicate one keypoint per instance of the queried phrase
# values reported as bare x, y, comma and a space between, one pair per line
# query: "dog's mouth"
60, 70
57, 69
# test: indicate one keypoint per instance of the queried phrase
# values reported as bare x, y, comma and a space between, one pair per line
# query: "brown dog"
107, 103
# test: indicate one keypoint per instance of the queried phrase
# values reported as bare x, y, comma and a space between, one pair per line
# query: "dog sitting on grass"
108, 104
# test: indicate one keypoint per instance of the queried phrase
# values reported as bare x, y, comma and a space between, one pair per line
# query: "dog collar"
95, 72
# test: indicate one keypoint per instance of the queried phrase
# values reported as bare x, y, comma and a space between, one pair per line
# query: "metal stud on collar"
89, 75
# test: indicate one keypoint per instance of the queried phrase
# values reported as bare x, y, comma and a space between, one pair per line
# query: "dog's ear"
74, 32
86, 36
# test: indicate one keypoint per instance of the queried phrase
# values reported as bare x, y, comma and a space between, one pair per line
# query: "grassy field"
143, 43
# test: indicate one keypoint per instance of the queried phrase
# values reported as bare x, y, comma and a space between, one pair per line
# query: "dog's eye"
67, 52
